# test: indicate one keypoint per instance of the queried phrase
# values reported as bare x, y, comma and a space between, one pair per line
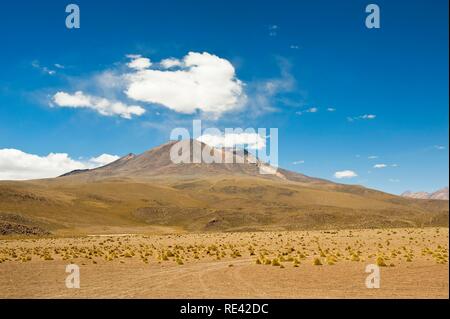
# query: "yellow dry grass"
281, 264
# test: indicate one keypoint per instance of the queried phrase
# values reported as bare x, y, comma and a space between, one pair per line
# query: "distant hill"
441, 194
148, 193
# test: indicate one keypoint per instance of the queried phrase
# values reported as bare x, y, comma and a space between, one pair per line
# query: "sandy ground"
413, 264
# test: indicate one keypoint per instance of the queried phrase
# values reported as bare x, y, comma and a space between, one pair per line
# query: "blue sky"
318, 54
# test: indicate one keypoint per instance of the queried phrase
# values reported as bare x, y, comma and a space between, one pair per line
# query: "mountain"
441, 194
148, 193
157, 162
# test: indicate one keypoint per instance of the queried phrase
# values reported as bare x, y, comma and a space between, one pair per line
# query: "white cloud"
310, 110
44, 69
197, 82
171, 63
439, 147
394, 180
273, 30
264, 95
101, 105
253, 140
205, 82
294, 46
379, 166
18, 165
362, 117
103, 159
394, 165
138, 62
373, 157
345, 174
298, 162
331, 109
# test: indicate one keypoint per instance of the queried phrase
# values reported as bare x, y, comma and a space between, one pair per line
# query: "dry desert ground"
290, 264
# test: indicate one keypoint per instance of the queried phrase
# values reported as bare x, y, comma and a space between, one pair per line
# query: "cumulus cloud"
170, 63
196, 83
203, 82
138, 62
253, 140
101, 105
18, 165
345, 174
379, 166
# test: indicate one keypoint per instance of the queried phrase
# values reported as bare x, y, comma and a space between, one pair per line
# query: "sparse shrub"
317, 262
275, 262
331, 260
380, 262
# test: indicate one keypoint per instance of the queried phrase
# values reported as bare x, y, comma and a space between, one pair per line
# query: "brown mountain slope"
148, 193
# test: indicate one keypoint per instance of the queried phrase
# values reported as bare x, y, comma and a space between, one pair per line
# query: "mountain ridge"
440, 194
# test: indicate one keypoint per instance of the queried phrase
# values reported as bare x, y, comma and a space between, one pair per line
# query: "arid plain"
286, 264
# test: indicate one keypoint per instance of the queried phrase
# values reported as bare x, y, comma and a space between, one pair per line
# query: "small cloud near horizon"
345, 174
